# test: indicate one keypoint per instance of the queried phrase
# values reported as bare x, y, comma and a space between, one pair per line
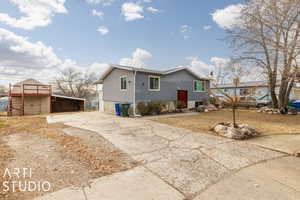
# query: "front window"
199, 86
154, 83
124, 83
244, 92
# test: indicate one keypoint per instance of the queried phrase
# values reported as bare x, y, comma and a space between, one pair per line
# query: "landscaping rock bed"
241, 132
269, 110
289, 111
207, 108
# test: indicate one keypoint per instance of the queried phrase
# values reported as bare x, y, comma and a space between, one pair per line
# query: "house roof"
29, 81
66, 97
151, 71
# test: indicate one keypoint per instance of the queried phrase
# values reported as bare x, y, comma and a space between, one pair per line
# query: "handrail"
35, 88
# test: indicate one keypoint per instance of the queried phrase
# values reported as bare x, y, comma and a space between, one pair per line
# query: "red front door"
182, 95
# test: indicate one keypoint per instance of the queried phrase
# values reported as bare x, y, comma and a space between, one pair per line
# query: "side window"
154, 83
123, 83
244, 91
199, 86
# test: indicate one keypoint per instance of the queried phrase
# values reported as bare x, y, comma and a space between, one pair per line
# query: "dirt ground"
1, 123
266, 124
55, 153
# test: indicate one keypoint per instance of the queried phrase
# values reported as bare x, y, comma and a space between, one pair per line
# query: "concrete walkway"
289, 144
175, 163
137, 183
275, 180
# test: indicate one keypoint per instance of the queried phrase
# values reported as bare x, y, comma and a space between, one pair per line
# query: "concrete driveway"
179, 164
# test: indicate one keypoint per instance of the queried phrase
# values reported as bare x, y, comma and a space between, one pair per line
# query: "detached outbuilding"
31, 97
66, 104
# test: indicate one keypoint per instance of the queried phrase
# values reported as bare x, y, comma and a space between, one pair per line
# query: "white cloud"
99, 14
102, 2
207, 27
139, 57
184, 28
98, 68
153, 10
132, 11
103, 30
220, 71
185, 31
21, 59
199, 67
225, 70
16, 48
228, 17
220, 62
37, 14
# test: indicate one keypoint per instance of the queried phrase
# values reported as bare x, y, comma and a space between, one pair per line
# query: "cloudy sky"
39, 37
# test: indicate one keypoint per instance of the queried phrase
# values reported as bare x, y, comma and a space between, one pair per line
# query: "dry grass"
266, 124
6, 155
3, 114
25, 124
80, 149
1, 123
99, 159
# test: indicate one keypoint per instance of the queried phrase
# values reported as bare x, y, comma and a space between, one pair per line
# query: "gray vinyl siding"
169, 84
112, 87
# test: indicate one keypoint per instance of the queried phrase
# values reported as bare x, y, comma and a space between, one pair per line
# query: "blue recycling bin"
118, 109
296, 104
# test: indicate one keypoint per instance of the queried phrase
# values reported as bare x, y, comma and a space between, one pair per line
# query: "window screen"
199, 86
154, 83
123, 83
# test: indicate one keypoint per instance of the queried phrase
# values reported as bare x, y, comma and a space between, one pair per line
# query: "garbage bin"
296, 104
118, 109
124, 109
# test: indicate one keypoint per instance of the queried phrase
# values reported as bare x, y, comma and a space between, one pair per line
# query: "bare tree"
235, 71
268, 36
3, 89
72, 82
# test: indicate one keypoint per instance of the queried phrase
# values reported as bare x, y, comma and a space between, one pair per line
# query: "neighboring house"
31, 97
258, 89
3, 104
3, 95
122, 84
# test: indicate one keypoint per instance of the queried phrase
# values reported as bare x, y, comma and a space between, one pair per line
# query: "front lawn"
63, 158
266, 124
1, 123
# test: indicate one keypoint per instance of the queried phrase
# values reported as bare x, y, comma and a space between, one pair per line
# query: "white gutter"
134, 103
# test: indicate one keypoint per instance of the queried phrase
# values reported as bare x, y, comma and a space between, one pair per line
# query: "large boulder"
207, 108
240, 132
292, 111
211, 107
200, 108
269, 110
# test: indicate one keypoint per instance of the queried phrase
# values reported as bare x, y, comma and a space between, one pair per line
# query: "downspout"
134, 103
98, 97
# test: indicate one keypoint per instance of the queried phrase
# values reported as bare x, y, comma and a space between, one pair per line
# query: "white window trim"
154, 90
123, 90
204, 85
